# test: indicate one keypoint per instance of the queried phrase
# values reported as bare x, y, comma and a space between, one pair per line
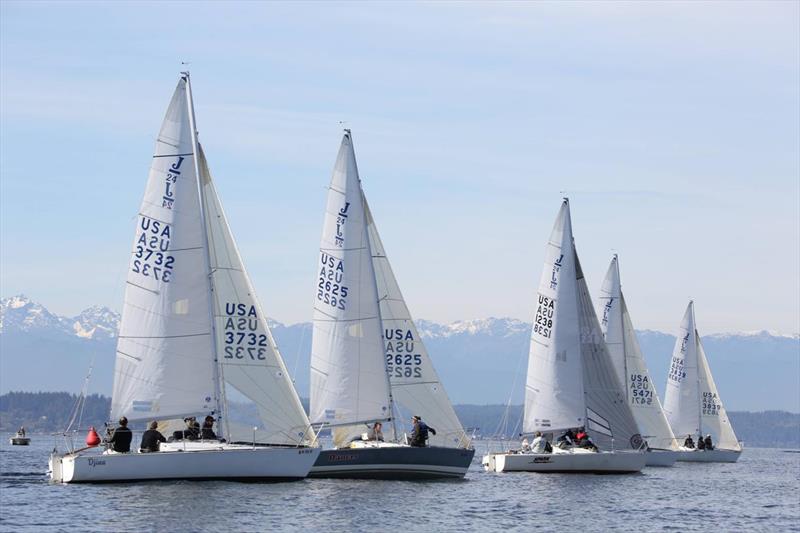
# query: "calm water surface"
761, 491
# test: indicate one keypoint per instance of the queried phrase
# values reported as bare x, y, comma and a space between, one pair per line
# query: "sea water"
760, 492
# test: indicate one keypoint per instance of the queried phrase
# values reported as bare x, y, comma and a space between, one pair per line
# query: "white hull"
198, 462
708, 456
573, 461
661, 457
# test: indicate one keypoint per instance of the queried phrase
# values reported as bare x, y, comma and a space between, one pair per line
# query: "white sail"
714, 419
626, 354
682, 397
165, 365
609, 419
250, 362
554, 395
416, 388
349, 385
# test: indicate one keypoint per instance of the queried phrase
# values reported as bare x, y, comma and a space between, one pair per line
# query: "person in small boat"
121, 437
582, 440
540, 444
566, 440
21, 431
207, 432
709, 445
701, 444
375, 432
688, 443
151, 439
419, 434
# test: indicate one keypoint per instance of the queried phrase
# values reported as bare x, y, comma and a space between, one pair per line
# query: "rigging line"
164, 336
334, 319
140, 287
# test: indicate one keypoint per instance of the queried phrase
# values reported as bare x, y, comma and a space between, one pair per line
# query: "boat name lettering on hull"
96, 462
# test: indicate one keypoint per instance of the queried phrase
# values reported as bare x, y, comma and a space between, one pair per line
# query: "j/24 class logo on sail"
150, 257
241, 337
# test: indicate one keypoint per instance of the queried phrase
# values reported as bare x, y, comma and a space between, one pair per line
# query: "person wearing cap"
707, 442
419, 433
152, 439
701, 444
688, 443
120, 439
207, 432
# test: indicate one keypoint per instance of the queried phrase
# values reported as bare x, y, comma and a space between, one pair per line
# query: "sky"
673, 127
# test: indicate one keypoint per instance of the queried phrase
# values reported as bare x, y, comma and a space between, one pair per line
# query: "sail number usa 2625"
330, 290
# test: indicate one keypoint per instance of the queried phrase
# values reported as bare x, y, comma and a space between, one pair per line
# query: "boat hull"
661, 457
19, 441
567, 462
240, 464
709, 456
393, 462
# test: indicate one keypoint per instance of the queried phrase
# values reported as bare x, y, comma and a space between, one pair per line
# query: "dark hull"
393, 463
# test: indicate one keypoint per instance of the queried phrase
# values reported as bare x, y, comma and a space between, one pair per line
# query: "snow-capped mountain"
20, 314
478, 360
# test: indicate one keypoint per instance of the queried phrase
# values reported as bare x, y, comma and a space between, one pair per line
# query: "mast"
378, 302
622, 328
219, 400
697, 362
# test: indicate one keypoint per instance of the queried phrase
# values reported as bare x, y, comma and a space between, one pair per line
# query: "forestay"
714, 418
250, 362
626, 354
415, 385
164, 363
349, 385
554, 396
682, 396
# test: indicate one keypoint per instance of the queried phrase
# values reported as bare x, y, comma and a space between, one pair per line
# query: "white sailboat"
571, 380
193, 333
367, 356
692, 402
629, 363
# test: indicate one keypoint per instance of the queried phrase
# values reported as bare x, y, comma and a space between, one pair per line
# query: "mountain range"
480, 361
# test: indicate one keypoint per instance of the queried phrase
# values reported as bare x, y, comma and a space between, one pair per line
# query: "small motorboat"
19, 439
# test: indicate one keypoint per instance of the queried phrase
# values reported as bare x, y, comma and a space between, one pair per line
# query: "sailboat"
193, 335
631, 369
571, 380
692, 402
367, 358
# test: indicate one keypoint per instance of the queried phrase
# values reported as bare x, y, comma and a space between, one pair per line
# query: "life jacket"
581, 435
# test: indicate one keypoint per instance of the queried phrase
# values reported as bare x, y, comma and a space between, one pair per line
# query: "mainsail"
692, 403
250, 362
349, 384
682, 396
165, 355
416, 388
554, 396
571, 378
626, 354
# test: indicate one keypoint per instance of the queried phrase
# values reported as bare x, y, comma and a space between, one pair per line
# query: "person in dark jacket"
688, 443
152, 439
582, 440
190, 432
566, 440
419, 433
701, 444
120, 439
708, 444
207, 433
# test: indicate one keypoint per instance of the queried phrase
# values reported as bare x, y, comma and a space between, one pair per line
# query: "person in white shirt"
539, 443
